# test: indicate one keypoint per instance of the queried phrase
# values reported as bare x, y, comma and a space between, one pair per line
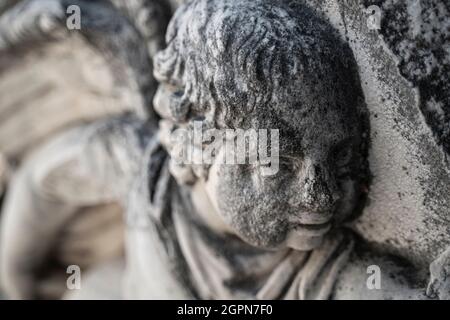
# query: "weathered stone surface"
407, 212
73, 76
53, 79
363, 176
417, 33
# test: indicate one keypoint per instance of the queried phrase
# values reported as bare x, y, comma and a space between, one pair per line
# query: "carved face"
296, 206
289, 73
316, 184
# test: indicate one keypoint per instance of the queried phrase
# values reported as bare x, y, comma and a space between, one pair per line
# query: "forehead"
310, 130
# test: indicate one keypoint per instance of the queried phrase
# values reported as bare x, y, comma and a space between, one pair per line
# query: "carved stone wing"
52, 77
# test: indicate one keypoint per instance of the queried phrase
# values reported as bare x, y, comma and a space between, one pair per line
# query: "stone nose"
318, 188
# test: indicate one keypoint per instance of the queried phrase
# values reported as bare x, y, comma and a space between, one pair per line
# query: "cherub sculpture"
218, 230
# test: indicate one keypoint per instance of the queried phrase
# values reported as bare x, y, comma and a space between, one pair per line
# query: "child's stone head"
265, 64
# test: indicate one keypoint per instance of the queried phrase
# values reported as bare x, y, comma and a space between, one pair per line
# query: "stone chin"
299, 238
303, 242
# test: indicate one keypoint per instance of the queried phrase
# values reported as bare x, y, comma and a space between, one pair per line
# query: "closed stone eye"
177, 94
341, 161
342, 157
178, 109
287, 166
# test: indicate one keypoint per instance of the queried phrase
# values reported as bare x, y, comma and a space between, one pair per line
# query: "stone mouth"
316, 229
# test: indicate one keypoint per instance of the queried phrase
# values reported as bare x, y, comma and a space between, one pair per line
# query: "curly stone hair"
232, 59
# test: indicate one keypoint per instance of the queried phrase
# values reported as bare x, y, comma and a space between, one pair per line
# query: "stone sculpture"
219, 230
53, 78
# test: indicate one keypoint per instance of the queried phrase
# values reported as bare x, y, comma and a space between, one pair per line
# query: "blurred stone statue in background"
229, 231
53, 79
